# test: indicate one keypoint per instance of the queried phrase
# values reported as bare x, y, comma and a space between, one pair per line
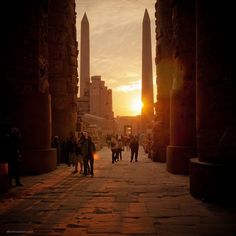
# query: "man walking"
88, 150
134, 146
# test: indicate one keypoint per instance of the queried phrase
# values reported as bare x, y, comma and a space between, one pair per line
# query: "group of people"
118, 143
76, 152
81, 152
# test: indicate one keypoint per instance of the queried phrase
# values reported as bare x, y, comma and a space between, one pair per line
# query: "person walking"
79, 154
71, 150
134, 146
64, 151
88, 150
114, 148
120, 149
14, 156
56, 144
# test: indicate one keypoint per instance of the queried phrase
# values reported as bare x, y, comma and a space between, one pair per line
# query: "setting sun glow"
136, 106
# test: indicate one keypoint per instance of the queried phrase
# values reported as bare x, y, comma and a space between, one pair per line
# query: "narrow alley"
138, 198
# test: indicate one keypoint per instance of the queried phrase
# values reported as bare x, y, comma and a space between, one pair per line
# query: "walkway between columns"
139, 198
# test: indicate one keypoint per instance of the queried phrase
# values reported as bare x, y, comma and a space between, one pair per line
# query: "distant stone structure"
95, 98
100, 106
128, 125
84, 66
100, 99
147, 75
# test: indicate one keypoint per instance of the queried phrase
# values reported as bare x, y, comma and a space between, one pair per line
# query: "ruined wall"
63, 77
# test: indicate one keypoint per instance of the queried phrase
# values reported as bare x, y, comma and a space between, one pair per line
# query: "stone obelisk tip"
146, 15
85, 18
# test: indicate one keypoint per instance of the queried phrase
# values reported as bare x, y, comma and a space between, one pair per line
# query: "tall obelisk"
84, 58
147, 76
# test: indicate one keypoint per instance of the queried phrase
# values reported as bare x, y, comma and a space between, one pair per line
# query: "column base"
38, 161
4, 180
212, 182
177, 159
159, 155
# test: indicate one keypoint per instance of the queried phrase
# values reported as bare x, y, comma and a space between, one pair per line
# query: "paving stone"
121, 199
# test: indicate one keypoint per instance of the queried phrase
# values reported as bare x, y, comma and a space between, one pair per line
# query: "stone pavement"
138, 198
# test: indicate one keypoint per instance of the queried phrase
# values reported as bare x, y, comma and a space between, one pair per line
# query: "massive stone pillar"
164, 72
25, 88
213, 173
63, 75
147, 84
182, 99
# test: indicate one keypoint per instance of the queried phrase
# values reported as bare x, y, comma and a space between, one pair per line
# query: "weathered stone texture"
182, 97
100, 100
63, 66
25, 88
164, 71
212, 175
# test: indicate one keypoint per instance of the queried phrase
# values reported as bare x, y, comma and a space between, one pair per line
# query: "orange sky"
116, 47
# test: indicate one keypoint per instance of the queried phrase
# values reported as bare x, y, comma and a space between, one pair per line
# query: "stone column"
213, 174
182, 98
26, 88
63, 75
164, 71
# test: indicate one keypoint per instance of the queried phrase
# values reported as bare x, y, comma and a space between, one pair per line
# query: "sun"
136, 106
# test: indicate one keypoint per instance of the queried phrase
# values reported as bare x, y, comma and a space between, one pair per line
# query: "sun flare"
136, 106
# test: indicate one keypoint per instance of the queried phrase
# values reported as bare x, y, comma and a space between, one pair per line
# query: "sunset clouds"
115, 45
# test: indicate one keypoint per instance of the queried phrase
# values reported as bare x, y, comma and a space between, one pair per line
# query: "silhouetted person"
120, 149
134, 146
64, 151
127, 142
108, 140
14, 156
88, 150
71, 150
114, 149
79, 154
56, 144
